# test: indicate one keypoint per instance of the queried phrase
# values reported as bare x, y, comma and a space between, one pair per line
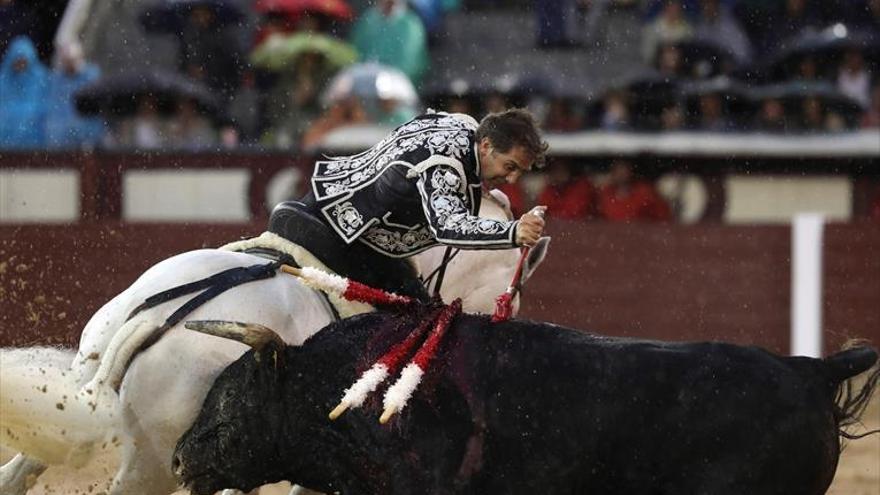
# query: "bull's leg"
19, 475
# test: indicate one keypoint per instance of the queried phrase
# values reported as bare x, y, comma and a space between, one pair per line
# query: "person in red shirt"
874, 214
627, 199
516, 196
567, 195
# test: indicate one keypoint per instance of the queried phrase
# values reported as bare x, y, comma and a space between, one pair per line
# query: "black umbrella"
794, 92
120, 95
171, 16
649, 84
824, 47
705, 57
647, 93
729, 89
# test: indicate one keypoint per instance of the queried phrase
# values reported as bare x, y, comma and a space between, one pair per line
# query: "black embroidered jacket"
418, 187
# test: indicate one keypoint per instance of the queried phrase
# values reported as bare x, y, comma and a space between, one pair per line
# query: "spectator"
795, 16
552, 18
871, 119
271, 24
771, 117
391, 34
432, 14
459, 104
669, 27
562, 117
717, 23
814, 118
346, 111
23, 87
853, 79
615, 112
672, 117
567, 195
390, 112
669, 61
244, 110
293, 102
495, 102
808, 70
874, 214
626, 199
146, 129
189, 130
65, 128
711, 114
210, 52
515, 196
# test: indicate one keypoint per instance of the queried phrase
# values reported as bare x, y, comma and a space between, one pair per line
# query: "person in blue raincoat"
23, 87
65, 127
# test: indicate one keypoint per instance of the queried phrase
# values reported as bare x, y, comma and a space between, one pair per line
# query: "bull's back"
621, 415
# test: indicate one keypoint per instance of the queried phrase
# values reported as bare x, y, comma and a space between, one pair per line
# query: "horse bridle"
440, 271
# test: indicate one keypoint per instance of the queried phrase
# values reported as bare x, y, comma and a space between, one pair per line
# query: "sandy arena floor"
858, 473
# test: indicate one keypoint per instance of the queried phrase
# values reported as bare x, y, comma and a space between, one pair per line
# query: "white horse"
56, 406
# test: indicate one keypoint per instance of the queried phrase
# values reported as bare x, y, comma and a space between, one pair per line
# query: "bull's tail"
851, 402
44, 412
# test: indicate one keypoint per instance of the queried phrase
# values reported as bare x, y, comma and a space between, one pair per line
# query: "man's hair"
514, 127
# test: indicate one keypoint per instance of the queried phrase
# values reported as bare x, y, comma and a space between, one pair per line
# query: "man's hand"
530, 227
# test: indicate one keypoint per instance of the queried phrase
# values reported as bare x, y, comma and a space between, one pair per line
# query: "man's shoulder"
432, 119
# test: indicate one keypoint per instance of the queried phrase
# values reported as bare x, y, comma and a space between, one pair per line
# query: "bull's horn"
252, 334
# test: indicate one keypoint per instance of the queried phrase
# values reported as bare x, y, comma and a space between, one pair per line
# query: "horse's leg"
142, 471
19, 475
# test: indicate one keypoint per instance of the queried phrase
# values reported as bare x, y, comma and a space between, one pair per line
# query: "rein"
440, 271
211, 287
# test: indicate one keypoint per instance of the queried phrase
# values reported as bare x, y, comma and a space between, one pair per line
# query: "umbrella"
794, 92
120, 94
171, 16
727, 88
281, 51
825, 47
371, 81
336, 9
705, 55
648, 92
734, 96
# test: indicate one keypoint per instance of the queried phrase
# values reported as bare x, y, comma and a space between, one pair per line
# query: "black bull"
524, 408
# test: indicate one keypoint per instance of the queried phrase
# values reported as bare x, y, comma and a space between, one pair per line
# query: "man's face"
497, 168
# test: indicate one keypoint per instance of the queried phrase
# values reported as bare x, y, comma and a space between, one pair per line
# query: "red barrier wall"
671, 282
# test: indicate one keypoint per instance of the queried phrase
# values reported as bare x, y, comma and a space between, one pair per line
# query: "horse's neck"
476, 276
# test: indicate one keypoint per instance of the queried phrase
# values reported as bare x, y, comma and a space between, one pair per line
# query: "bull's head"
235, 438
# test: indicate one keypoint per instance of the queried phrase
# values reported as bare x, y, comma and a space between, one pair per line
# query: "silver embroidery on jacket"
347, 217
447, 202
397, 243
448, 136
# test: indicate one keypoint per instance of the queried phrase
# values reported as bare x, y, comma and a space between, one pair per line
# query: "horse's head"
478, 277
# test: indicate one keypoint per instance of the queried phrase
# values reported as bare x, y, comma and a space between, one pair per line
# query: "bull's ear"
536, 257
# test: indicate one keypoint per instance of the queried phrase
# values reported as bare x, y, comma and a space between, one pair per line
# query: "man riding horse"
418, 187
